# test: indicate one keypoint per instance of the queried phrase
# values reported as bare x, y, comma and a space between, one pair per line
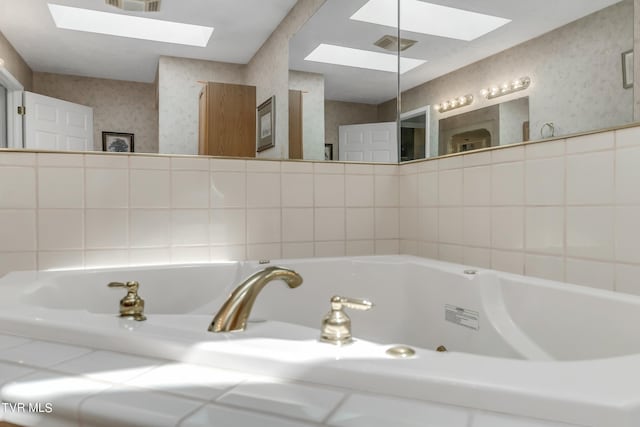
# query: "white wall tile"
477, 226
328, 168
229, 253
107, 188
627, 176
359, 190
61, 188
451, 253
427, 166
450, 225
329, 224
409, 190
189, 227
60, 260
264, 251
507, 184
507, 228
453, 162
590, 178
298, 250
17, 261
106, 228
330, 249
409, 247
386, 169
360, 224
297, 190
629, 137
387, 223
509, 154
476, 159
190, 163
60, 160
190, 254
544, 230
627, 234
356, 169
545, 149
263, 226
149, 256
329, 190
546, 267
428, 250
228, 165
106, 161
387, 246
17, 187
428, 189
594, 274
360, 247
17, 159
477, 257
386, 190
450, 187
545, 181
593, 142
228, 227
149, 162
17, 230
150, 188
263, 190
266, 166
509, 261
190, 189
60, 229
590, 232
408, 222
149, 228
228, 190
297, 167
477, 186
627, 278
100, 258
428, 224
297, 225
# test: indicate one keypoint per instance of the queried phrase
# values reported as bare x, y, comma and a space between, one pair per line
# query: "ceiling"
331, 24
241, 27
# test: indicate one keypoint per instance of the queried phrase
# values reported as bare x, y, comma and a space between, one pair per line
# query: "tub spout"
235, 311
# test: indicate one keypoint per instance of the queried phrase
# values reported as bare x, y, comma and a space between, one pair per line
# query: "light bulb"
484, 92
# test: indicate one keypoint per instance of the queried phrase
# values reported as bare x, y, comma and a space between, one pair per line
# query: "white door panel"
372, 142
54, 124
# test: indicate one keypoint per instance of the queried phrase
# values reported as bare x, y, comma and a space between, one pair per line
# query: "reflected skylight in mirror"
349, 57
427, 18
93, 21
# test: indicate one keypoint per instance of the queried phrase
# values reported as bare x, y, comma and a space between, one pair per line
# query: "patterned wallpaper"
118, 106
575, 71
15, 64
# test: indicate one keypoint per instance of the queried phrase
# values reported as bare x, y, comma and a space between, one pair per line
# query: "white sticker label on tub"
461, 316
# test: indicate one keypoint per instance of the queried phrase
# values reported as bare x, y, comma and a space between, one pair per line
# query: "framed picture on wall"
117, 142
627, 69
266, 134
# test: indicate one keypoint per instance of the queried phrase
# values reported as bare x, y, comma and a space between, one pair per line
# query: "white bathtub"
516, 345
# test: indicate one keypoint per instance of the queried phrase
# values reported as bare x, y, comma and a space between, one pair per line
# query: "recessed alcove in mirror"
571, 51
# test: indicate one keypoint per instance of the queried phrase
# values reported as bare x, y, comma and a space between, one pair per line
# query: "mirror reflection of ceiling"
240, 28
332, 25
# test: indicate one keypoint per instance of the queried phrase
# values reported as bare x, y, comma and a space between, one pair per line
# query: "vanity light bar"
454, 103
506, 88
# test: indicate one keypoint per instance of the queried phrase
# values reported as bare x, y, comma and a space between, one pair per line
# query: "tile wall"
566, 210
75, 210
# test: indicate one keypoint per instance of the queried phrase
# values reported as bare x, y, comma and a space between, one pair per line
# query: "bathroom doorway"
414, 134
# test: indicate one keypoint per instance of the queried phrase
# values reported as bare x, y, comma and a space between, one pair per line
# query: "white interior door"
54, 124
372, 142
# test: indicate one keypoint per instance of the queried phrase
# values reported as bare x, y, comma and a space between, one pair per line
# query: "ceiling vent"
390, 43
135, 5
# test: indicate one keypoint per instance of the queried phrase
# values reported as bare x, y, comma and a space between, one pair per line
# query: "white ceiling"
331, 24
241, 27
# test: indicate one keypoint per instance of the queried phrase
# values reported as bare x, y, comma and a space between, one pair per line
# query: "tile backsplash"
88, 210
566, 210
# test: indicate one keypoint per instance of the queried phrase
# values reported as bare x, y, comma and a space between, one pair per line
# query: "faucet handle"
336, 325
337, 302
131, 306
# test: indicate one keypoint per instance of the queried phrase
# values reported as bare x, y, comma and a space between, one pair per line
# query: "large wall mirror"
502, 72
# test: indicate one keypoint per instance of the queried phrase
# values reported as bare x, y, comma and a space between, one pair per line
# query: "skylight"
339, 55
93, 21
427, 18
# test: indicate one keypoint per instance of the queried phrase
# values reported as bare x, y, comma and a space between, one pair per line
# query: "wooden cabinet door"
229, 118
295, 124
